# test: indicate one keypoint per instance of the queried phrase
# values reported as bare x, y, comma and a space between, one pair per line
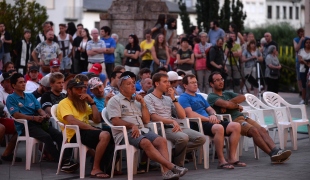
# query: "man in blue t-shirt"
215, 32
196, 106
110, 43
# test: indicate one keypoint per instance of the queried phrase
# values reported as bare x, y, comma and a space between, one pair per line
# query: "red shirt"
171, 62
40, 76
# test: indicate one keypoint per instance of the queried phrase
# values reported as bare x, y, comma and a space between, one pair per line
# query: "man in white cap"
96, 86
174, 79
44, 86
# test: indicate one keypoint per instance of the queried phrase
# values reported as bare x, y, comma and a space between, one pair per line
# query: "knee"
145, 143
2, 130
104, 135
182, 139
159, 142
253, 132
235, 127
217, 129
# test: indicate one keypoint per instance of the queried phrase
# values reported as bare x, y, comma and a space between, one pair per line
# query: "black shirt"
184, 55
6, 46
76, 43
216, 55
132, 50
49, 99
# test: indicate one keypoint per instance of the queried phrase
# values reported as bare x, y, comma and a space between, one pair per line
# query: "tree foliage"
207, 10
22, 15
237, 14
184, 17
225, 15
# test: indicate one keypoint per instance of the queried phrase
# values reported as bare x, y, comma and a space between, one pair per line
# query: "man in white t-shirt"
33, 83
7, 88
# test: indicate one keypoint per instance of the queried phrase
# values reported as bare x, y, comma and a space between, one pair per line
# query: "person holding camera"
250, 56
233, 53
272, 71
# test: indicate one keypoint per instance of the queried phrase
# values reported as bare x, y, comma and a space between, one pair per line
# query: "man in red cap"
96, 68
55, 65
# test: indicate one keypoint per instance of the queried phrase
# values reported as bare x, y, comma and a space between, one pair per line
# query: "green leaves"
184, 17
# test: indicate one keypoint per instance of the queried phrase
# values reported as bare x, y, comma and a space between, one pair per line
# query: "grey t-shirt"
247, 54
273, 60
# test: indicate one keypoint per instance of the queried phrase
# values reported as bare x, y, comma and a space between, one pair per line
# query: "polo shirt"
28, 105
109, 43
197, 103
98, 58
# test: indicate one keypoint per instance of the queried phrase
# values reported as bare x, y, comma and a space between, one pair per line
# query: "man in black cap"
33, 83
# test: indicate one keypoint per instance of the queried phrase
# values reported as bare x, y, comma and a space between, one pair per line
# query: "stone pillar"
307, 18
127, 17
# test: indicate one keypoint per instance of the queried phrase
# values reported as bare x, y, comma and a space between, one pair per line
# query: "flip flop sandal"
97, 175
225, 166
238, 164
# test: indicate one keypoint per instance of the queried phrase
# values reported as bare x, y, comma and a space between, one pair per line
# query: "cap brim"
180, 78
93, 71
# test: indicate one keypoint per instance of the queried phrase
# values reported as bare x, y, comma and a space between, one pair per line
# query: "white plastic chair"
82, 148
30, 143
275, 100
131, 151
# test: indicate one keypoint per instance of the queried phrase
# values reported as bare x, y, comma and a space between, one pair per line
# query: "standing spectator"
272, 63
159, 27
200, 50
64, 41
109, 58
269, 42
194, 33
76, 53
132, 51
173, 58
33, 83
146, 46
185, 58
170, 29
118, 52
216, 58
215, 32
304, 56
71, 29
47, 50
83, 61
23, 51
43, 36
299, 44
95, 49
160, 53
233, 29
6, 41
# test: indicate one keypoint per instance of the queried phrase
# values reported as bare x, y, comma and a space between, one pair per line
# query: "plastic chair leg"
113, 163
130, 153
15, 150
206, 149
83, 151
60, 158
293, 135
29, 146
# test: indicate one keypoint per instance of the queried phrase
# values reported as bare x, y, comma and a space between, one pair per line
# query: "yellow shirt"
65, 107
144, 45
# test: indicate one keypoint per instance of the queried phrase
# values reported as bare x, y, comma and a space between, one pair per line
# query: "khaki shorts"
246, 124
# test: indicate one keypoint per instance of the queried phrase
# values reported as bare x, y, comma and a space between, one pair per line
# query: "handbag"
274, 72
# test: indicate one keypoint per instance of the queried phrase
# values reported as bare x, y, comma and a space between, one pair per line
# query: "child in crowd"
173, 58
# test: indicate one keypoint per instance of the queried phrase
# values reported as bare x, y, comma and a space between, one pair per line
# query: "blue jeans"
155, 66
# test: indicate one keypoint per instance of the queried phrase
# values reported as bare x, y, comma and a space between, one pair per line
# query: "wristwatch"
94, 103
175, 100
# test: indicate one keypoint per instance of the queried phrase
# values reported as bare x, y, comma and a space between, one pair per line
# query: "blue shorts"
65, 63
136, 141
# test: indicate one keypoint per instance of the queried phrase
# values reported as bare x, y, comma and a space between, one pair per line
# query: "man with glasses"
95, 50
131, 111
229, 103
196, 106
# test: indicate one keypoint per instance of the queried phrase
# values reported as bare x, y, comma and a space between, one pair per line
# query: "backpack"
209, 66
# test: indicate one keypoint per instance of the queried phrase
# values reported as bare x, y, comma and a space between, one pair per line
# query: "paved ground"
295, 168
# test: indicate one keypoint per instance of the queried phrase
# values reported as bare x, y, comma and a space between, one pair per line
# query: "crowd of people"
85, 72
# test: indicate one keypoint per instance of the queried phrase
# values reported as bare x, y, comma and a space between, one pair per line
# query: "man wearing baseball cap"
44, 86
55, 65
33, 83
97, 88
174, 79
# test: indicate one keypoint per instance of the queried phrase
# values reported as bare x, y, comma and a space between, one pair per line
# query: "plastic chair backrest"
254, 102
205, 96
105, 117
257, 115
274, 100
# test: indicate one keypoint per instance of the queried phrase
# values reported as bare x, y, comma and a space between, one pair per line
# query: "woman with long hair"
146, 46
83, 63
170, 28
159, 27
304, 59
250, 57
160, 53
71, 28
272, 71
132, 51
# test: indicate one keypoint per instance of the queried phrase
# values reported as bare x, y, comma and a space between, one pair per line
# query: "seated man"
56, 81
125, 110
143, 74
112, 89
162, 108
229, 103
146, 84
76, 109
97, 88
196, 106
174, 79
33, 83
44, 86
25, 106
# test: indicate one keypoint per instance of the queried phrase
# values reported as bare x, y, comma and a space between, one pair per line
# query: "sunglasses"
123, 79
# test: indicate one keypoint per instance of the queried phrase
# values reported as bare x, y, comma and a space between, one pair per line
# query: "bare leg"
10, 148
218, 140
259, 140
234, 130
158, 154
104, 139
267, 138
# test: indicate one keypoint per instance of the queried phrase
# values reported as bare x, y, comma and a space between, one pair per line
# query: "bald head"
95, 34
146, 84
268, 37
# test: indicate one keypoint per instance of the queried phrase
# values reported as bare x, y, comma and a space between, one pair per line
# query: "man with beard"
132, 112
47, 50
56, 81
164, 108
43, 36
215, 32
77, 109
23, 52
229, 103
25, 106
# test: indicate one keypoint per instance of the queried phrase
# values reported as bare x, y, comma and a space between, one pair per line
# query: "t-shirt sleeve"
212, 98
196, 49
46, 101
12, 105
64, 109
158, 26
150, 104
113, 43
212, 54
138, 48
38, 48
184, 101
88, 46
268, 60
114, 108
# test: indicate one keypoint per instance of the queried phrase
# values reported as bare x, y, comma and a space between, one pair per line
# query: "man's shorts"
90, 138
246, 124
9, 125
207, 128
136, 141
65, 63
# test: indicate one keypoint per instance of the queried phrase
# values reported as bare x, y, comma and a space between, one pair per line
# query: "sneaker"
281, 155
181, 171
170, 175
280, 161
69, 166
302, 102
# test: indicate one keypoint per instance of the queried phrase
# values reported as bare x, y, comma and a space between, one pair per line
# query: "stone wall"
127, 17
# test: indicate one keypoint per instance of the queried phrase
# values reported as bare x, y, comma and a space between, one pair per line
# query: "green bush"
287, 82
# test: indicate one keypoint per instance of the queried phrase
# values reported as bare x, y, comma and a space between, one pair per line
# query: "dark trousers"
272, 85
146, 64
109, 67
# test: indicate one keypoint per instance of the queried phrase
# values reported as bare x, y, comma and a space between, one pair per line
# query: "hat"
32, 68
75, 82
27, 31
96, 68
184, 39
45, 81
55, 62
173, 76
94, 82
5, 76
